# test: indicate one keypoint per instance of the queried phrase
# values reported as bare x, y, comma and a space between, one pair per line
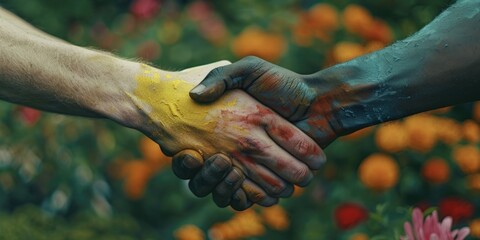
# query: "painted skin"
261, 143
41, 71
438, 66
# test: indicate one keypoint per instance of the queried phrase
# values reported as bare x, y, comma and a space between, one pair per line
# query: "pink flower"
30, 115
145, 9
431, 228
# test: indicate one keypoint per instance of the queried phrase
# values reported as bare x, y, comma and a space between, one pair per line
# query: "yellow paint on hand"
168, 104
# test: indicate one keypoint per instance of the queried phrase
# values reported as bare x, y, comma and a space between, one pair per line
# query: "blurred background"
64, 177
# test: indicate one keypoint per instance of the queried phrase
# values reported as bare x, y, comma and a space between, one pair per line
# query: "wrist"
352, 94
110, 99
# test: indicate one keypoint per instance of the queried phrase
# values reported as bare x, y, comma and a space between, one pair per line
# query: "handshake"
246, 132
244, 147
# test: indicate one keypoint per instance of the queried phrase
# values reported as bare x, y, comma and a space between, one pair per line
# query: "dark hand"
289, 94
218, 176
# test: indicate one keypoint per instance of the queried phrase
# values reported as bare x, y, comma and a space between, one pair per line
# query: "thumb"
209, 90
213, 86
236, 75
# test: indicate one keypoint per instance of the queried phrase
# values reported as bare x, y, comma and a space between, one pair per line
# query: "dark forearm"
436, 67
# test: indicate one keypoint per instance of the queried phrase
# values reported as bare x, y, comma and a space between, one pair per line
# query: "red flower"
199, 10
456, 208
29, 115
145, 9
349, 215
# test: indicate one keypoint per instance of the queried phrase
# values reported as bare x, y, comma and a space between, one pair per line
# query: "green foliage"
55, 174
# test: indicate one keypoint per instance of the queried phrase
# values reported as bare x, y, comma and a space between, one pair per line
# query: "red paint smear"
308, 149
242, 158
270, 180
262, 111
318, 119
282, 164
253, 119
285, 132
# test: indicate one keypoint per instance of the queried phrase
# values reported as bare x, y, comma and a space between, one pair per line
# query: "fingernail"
317, 161
198, 90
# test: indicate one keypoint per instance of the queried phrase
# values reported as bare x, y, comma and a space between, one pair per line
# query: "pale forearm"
38, 71
20, 23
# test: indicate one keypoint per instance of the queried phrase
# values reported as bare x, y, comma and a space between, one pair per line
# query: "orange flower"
242, 225
441, 110
302, 31
422, 133
319, 21
436, 171
152, 154
448, 130
189, 232
324, 16
373, 165
473, 182
357, 19
476, 111
373, 46
136, 175
471, 131
345, 51
276, 217
475, 228
392, 137
297, 191
255, 41
378, 31
324, 20
467, 158
358, 134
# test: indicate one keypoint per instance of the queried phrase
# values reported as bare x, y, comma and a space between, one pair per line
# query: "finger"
240, 201
215, 169
236, 75
186, 164
257, 195
260, 149
294, 141
266, 179
222, 194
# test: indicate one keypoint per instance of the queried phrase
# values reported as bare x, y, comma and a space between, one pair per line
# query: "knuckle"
303, 147
254, 62
252, 59
216, 72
